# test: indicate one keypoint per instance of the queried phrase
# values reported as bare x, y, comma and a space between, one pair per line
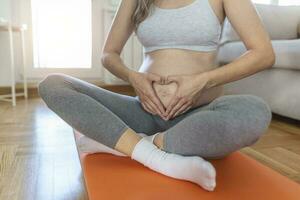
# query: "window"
62, 33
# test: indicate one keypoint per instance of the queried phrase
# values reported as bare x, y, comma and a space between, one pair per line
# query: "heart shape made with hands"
165, 91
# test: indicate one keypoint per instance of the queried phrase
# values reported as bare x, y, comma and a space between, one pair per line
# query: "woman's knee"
260, 112
233, 123
246, 118
50, 86
254, 117
248, 107
49, 82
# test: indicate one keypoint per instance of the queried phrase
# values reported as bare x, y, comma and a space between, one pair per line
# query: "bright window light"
289, 2
62, 33
262, 1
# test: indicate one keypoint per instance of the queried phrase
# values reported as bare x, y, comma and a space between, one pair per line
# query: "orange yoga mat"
239, 177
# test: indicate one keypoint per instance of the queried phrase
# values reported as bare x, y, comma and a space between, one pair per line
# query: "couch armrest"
286, 51
299, 30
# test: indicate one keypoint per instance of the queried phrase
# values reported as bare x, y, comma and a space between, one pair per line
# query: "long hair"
141, 12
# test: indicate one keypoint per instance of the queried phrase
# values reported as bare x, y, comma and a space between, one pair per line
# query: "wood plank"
275, 137
284, 156
291, 126
270, 162
38, 156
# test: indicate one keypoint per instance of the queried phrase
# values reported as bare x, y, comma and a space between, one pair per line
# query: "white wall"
4, 13
7, 8
4, 8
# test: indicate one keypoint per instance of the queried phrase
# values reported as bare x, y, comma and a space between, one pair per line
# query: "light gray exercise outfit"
193, 27
213, 130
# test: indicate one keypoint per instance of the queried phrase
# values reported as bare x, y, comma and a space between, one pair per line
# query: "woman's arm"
120, 31
259, 55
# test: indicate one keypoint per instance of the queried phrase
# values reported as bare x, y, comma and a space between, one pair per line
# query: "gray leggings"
213, 130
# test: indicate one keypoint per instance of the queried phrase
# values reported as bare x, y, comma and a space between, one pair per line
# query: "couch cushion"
287, 53
281, 22
278, 87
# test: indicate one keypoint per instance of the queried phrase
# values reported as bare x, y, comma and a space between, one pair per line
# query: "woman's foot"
156, 139
88, 145
190, 168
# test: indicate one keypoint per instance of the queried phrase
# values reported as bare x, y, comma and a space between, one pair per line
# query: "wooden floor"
39, 160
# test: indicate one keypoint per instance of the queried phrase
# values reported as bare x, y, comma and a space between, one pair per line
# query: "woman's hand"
189, 88
142, 84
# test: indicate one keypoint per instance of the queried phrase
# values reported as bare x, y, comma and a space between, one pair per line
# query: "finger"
176, 108
147, 109
163, 80
151, 108
173, 102
154, 77
183, 108
151, 105
146, 105
172, 78
189, 107
156, 101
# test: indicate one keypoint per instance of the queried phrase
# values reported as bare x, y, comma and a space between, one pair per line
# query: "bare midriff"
174, 61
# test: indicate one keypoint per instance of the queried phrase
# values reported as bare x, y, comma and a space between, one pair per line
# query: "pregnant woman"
180, 117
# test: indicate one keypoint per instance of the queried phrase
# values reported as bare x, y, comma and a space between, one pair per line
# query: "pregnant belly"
166, 93
167, 62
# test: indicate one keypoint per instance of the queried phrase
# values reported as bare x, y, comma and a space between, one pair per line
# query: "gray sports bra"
194, 27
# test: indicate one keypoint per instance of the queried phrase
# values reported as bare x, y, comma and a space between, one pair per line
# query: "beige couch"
279, 85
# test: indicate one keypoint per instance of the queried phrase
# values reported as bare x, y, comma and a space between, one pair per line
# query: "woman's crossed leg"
114, 120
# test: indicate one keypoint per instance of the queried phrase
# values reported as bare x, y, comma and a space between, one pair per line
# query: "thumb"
173, 78
154, 77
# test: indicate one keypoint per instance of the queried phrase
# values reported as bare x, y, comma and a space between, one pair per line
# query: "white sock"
190, 168
88, 145
142, 135
150, 138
